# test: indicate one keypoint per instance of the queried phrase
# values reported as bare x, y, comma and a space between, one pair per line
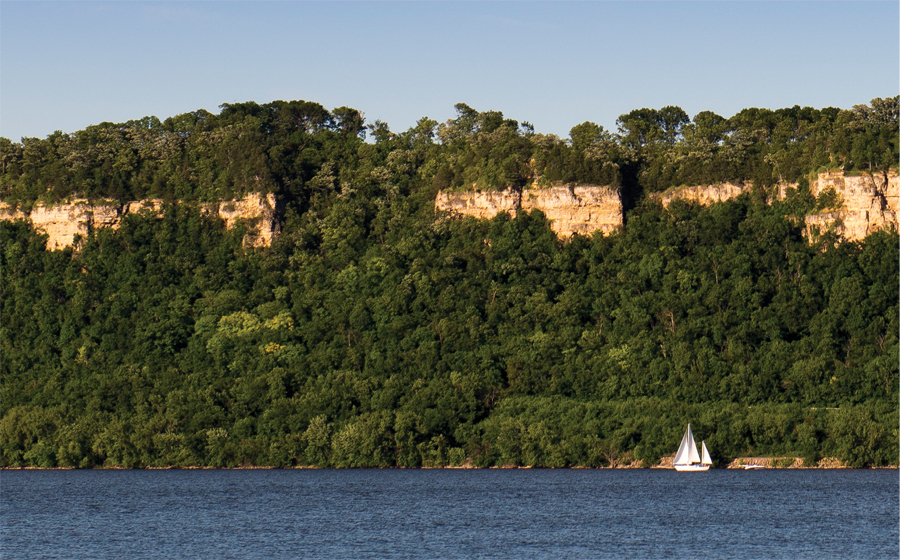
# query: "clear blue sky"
66, 65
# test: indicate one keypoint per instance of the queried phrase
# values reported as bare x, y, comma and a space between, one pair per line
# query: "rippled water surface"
449, 514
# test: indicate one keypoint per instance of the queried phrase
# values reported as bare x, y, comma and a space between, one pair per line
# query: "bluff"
62, 222
570, 209
862, 205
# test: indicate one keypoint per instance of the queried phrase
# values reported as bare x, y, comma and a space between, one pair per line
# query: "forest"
375, 332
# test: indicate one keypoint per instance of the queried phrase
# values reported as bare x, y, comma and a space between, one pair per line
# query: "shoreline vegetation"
377, 332
764, 463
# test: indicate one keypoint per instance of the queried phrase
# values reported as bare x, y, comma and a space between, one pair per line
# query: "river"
449, 514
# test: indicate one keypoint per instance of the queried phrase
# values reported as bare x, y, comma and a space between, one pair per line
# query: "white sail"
682, 456
687, 451
706, 459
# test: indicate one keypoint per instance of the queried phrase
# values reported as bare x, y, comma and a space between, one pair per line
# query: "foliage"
372, 334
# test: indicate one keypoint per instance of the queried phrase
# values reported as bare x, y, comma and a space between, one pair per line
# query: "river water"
449, 514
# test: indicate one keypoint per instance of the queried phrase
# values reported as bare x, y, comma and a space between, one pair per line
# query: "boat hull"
691, 468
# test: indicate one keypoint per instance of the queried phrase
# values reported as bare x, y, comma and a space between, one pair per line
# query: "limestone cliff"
62, 222
581, 210
151, 206
479, 204
708, 194
705, 195
258, 212
865, 204
571, 210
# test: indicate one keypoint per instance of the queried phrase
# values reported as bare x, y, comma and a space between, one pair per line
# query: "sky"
67, 65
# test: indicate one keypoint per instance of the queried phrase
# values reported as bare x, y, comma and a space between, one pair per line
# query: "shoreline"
758, 463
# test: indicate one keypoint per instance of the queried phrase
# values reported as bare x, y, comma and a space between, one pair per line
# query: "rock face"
866, 204
708, 194
152, 206
571, 210
705, 195
62, 222
581, 210
479, 204
258, 212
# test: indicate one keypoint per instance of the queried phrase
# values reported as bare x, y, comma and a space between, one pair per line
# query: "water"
449, 514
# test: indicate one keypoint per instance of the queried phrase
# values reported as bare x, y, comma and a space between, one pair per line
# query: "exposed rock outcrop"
865, 204
62, 222
705, 195
709, 194
571, 210
258, 212
785, 463
150, 206
479, 204
581, 210
104, 216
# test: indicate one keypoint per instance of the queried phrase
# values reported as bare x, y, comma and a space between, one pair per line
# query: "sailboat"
687, 458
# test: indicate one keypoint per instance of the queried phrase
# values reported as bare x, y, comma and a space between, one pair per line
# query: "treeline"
374, 333
280, 147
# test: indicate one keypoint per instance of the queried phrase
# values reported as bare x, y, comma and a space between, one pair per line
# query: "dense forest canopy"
289, 148
375, 333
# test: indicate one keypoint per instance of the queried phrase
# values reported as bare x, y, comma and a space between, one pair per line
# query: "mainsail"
687, 451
